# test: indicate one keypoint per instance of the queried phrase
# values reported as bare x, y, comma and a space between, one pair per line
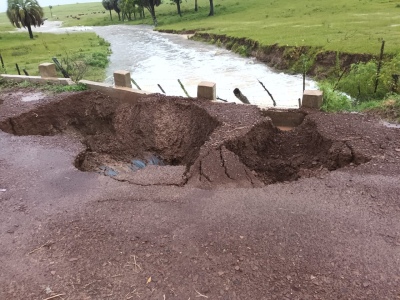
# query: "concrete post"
122, 79
48, 70
312, 99
207, 90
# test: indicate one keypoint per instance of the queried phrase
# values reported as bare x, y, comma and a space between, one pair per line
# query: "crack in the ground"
224, 163
201, 173
12, 125
353, 155
248, 176
142, 184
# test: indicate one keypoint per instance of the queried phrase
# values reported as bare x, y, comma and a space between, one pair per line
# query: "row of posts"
205, 89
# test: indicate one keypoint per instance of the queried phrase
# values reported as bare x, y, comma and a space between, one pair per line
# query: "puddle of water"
32, 97
285, 128
391, 125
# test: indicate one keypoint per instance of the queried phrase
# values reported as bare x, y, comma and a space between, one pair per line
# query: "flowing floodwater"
155, 58
159, 58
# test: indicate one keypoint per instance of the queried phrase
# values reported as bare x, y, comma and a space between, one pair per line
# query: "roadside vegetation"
304, 30
51, 88
81, 54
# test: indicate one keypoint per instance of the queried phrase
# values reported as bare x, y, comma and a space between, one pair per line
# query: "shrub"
359, 83
98, 59
334, 101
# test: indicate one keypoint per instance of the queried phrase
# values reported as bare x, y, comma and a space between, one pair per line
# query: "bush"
98, 59
78, 64
359, 83
334, 101
75, 65
65, 88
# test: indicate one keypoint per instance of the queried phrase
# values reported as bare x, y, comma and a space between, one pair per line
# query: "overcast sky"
43, 3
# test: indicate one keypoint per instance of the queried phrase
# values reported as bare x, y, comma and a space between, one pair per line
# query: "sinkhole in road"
159, 140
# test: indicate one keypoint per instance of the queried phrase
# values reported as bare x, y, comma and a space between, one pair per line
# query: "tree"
178, 6
211, 8
196, 8
108, 5
51, 13
150, 5
116, 8
25, 13
127, 8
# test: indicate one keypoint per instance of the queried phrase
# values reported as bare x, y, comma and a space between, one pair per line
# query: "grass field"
28, 54
354, 26
71, 48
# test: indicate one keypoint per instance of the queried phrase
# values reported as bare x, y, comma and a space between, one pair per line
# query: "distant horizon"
44, 3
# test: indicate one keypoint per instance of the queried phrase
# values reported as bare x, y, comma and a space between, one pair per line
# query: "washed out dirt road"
175, 199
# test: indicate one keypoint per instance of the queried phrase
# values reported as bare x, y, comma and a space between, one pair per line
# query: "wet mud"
161, 140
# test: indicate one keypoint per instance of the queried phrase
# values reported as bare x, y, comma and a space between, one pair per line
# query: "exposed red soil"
238, 210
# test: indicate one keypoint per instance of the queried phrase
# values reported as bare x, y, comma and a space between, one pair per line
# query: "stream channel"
155, 58
161, 58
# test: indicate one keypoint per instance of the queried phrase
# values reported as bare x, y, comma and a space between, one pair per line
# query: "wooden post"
270, 95
395, 82
2, 62
162, 90
19, 72
240, 96
134, 82
25, 72
378, 71
63, 71
183, 88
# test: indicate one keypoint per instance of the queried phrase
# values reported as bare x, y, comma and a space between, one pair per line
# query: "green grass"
28, 54
16, 47
388, 109
354, 26
52, 88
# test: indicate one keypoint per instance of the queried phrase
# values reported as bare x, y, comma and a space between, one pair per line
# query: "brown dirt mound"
213, 143
279, 156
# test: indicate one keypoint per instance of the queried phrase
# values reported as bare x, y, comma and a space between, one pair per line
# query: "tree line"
28, 13
129, 8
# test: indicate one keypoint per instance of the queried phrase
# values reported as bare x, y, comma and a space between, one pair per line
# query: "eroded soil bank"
163, 140
288, 58
68, 234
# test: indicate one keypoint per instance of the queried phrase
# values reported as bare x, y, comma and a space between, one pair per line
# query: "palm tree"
150, 5
25, 13
211, 8
108, 5
117, 9
178, 6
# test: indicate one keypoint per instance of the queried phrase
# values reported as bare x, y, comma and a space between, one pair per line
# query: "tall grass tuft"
334, 101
